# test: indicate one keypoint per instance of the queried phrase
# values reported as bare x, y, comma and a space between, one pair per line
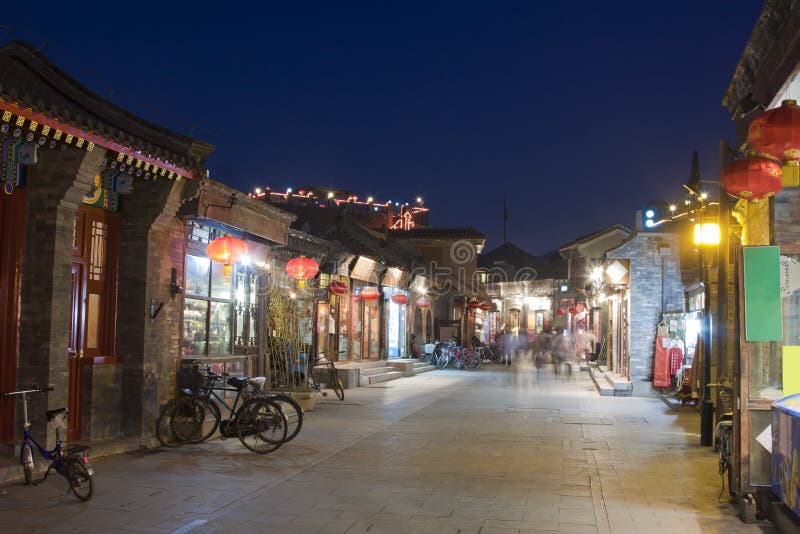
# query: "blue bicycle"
71, 462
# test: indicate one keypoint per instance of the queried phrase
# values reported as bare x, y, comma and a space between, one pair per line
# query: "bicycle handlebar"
36, 389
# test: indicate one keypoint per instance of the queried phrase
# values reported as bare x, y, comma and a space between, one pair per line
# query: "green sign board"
762, 294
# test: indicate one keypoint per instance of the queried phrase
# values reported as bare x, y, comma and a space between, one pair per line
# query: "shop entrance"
370, 345
93, 296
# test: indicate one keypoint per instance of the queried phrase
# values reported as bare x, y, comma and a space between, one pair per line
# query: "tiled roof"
436, 233
30, 79
593, 235
511, 258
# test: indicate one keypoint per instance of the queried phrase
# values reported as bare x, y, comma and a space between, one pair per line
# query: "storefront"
222, 304
365, 313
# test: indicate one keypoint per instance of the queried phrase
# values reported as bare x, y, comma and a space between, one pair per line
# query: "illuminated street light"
706, 234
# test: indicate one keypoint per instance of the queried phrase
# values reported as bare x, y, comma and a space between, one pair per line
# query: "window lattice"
98, 250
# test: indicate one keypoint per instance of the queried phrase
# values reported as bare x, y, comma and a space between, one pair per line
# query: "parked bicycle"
332, 377
461, 357
488, 354
723, 437
71, 462
259, 422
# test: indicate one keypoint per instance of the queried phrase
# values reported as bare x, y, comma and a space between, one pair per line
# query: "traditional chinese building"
90, 245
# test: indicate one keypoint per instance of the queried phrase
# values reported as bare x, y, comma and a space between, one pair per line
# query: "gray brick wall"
55, 188
645, 294
152, 244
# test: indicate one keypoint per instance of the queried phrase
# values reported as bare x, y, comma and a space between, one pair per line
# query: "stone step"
423, 368
383, 377
371, 371
622, 386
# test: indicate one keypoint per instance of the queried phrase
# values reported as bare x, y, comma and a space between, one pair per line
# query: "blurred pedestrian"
558, 350
508, 346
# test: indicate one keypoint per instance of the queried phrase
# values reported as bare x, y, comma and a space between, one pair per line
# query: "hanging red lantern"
486, 307
573, 311
301, 269
776, 132
337, 288
226, 250
559, 312
475, 304
423, 303
752, 178
399, 299
370, 293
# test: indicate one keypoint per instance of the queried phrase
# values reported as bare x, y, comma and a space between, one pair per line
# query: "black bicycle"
332, 375
259, 422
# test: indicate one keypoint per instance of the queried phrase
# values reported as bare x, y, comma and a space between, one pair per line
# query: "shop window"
220, 309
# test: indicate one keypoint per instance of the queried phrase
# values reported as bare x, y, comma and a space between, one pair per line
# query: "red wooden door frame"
12, 238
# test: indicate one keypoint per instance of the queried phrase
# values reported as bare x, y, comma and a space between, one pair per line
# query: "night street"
446, 451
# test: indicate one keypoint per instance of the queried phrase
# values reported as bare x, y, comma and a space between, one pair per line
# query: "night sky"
579, 112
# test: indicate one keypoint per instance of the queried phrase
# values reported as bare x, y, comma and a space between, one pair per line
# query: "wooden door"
75, 351
94, 302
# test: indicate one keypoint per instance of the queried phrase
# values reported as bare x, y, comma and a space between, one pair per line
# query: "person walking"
559, 346
508, 346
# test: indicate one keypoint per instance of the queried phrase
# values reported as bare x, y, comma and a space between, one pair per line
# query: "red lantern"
559, 312
752, 178
423, 303
475, 304
486, 307
776, 132
337, 288
399, 299
226, 250
302, 268
573, 311
370, 293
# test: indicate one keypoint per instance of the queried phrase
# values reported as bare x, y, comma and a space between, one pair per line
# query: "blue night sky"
579, 112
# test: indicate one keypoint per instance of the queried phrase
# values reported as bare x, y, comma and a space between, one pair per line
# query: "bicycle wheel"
210, 422
80, 481
442, 360
187, 418
26, 453
472, 361
261, 425
336, 383
293, 413
164, 432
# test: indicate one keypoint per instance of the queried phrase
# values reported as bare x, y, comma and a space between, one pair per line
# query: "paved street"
446, 451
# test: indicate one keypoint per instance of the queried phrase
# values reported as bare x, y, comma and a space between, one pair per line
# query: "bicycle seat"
52, 414
258, 381
239, 382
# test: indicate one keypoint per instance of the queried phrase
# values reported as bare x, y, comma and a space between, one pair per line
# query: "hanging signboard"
762, 293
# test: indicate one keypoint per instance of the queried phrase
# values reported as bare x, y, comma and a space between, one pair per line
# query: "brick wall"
55, 187
152, 244
645, 295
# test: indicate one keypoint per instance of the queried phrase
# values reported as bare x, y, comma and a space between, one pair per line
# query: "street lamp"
705, 234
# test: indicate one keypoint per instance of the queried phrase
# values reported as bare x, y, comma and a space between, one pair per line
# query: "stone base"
305, 399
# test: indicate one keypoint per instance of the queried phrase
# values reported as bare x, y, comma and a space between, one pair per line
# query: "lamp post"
706, 234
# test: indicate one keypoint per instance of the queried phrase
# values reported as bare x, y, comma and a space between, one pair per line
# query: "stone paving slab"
494, 451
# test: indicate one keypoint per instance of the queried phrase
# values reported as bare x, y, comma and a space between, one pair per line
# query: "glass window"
220, 308
219, 328
194, 327
220, 281
196, 281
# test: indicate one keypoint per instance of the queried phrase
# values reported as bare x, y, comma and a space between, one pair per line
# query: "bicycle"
334, 382
71, 462
461, 357
259, 423
723, 434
